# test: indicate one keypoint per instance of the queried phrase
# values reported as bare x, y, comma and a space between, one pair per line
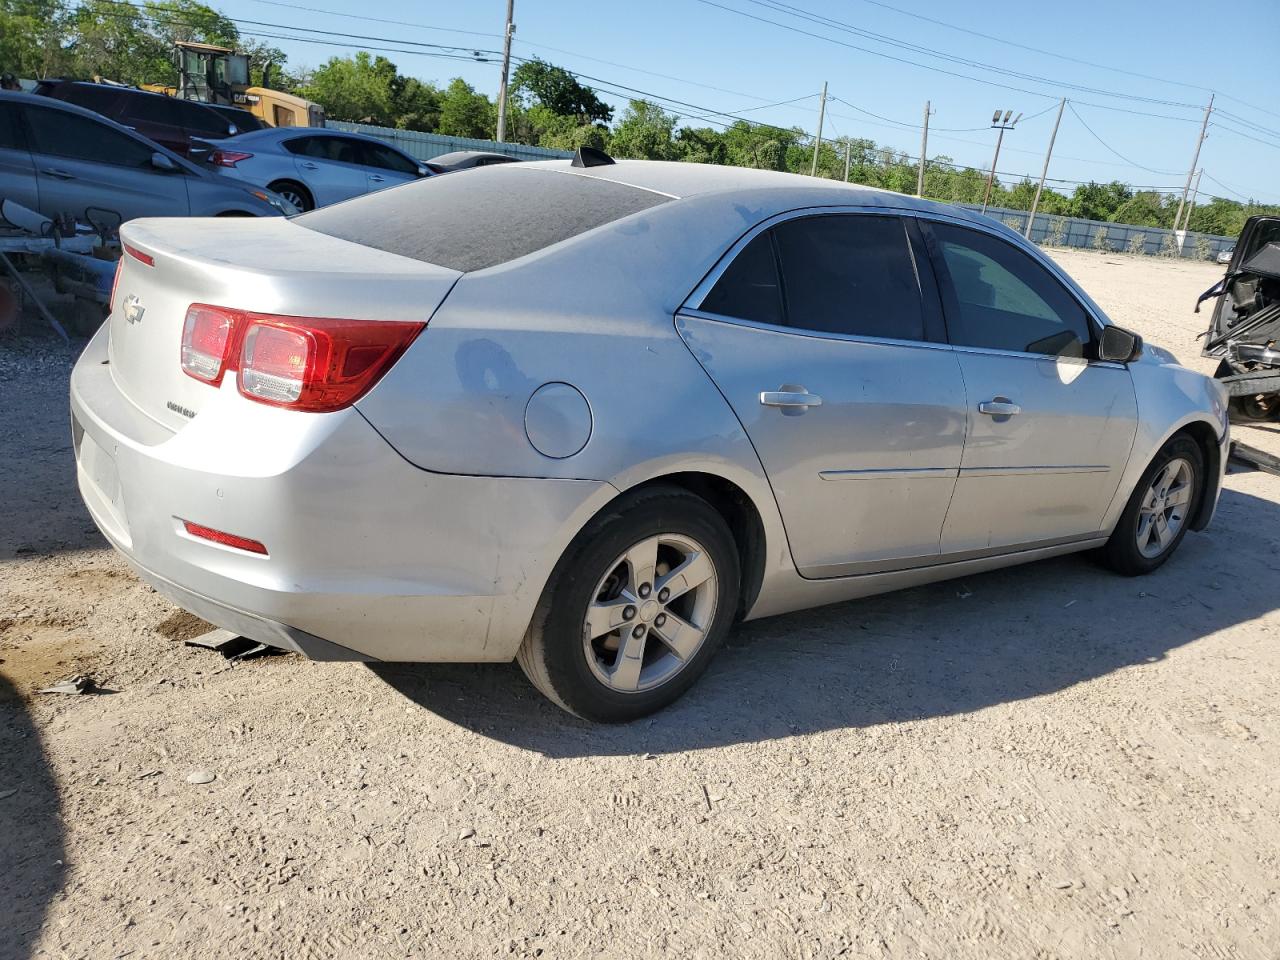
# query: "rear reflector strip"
226, 539
137, 254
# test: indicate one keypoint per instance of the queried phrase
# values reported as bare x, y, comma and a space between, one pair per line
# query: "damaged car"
1245, 327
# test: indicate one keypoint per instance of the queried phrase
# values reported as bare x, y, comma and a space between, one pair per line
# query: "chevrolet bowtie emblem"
133, 308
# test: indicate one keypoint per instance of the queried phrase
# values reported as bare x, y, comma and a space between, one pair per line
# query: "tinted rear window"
480, 218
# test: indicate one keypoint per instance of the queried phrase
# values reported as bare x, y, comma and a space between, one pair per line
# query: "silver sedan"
589, 415
312, 167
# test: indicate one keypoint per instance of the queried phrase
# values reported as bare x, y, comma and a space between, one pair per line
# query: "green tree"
559, 91
466, 113
355, 88
32, 38
645, 132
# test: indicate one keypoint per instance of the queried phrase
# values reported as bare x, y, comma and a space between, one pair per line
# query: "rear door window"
851, 274
1001, 299
490, 216
99, 99
60, 133
202, 120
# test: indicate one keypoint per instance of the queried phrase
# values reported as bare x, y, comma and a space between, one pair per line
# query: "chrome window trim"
1093, 313
813, 334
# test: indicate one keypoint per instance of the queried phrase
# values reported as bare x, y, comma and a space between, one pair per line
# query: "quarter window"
749, 288
1004, 300
10, 139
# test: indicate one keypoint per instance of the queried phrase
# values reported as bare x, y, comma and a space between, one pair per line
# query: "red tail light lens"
207, 335
301, 363
318, 364
115, 283
226, 539
227, 158
138, 255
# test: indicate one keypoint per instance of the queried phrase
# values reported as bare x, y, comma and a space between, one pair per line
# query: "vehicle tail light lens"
302, 363
318, 365
138, 255
115, 284
226, 539
227, 158
207, 336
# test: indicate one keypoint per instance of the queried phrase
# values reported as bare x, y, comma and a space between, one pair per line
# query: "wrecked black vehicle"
1245, 328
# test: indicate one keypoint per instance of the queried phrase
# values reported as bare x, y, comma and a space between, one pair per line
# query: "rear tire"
636, 608
295, 193
1159, 512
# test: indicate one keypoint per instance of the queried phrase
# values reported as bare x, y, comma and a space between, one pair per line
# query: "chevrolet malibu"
587, 414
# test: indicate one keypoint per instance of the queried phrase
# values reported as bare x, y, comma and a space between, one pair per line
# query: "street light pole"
1002, 126
506, 67
1031, 217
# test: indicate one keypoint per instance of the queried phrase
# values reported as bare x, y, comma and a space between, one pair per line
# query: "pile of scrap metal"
80, 258
1245, 328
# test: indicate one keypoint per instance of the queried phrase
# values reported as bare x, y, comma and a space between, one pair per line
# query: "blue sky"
704, 54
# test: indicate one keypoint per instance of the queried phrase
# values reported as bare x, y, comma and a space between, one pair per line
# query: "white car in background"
314, 167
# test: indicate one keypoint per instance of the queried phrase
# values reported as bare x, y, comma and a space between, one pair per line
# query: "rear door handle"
59, 174
1000, 407
308, 165
790, 399
376, 179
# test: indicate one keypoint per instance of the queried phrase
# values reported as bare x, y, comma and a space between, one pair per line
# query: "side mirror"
232, 130
1119, 345
424, 170
161, 162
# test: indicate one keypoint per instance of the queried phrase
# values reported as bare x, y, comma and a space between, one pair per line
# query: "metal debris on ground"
231, 645
1258, 459
81, 683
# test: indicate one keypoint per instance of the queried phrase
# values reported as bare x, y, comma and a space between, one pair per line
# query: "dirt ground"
1043, 762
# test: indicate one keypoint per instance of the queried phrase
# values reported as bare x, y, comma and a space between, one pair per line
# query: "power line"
1240, 133
801, 13
360, 16
1074, 113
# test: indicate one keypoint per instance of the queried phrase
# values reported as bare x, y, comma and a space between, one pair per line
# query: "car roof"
288, 133
770, 188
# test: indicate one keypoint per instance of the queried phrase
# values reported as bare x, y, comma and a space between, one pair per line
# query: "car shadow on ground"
947, 648
31, 831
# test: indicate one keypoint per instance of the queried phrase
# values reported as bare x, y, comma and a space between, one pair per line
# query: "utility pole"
1031, 217
1195, 192
848, 153
506, 67
924, 150
1002, 126
817, 144
1204, 130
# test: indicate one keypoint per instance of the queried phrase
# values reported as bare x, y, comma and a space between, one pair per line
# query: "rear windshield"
480, 218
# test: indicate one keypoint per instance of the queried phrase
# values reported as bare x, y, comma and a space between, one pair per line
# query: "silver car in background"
313, 166
588, 415
58, 158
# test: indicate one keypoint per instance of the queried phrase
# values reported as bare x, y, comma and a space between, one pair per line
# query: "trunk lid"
267, 266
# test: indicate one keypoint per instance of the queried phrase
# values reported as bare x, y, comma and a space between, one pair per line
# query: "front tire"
295, 193
1159, 512
636, 607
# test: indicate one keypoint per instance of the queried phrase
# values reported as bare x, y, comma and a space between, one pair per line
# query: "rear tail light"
207, 336
226, 539
115, 283
296, 362
227, 158
138, 255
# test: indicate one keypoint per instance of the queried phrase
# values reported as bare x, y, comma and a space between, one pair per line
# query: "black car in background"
182, 126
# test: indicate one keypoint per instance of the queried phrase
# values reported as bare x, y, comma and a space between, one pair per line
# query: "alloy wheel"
1164, 507
650, 613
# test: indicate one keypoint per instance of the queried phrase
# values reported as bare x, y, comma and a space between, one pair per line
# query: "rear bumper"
368, 556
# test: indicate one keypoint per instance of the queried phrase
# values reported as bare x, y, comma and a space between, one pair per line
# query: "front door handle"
792, 400
377, 179
1001, 408
308, 165
59, 174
